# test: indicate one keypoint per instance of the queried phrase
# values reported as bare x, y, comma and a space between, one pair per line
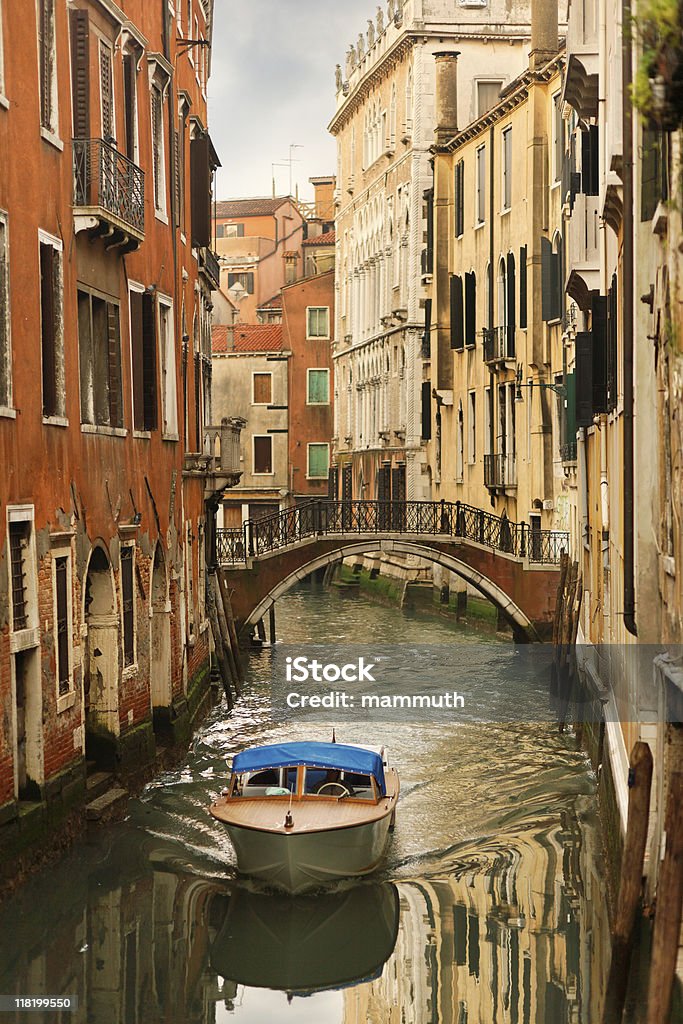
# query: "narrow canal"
490, 907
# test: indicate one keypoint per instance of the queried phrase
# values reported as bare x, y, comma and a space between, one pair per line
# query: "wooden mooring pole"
232, 630
667, 928
630, 886
221, 658
271, 624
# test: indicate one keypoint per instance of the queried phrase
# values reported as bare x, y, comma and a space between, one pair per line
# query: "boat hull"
298, 862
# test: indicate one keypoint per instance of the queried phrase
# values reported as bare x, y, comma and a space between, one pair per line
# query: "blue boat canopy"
314, 755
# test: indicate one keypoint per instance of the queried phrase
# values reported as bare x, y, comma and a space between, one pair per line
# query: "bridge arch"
521, 624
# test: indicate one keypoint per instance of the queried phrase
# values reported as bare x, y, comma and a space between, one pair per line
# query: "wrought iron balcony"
568, 451
499, 344
500, 471
109, 193
209, 265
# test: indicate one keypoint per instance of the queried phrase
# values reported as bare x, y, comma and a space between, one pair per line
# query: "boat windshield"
268, 782
333, 782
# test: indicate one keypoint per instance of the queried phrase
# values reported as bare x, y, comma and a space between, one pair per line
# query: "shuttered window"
583, 363
456, 303
590, 166
143, 346
507, 168
470, 309
200, 187
426, 410
62, 630
130, 106
459, 198
19, 537
99, 346
599, 347
333, 483
263, 388
654, 172
244, 280
158, 149
127, 602
522, 287
318, 387
481, 185
612, 345
551, 285
511, 284
106, 93
51, 329
318, 322
429, 255
318, 461
198, 401
5, 331
263, 454
80, 72
47, 58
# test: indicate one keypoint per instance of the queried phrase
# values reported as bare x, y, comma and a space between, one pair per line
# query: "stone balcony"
219, 463
109, 195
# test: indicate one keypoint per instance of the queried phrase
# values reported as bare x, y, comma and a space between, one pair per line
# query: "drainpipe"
627, 133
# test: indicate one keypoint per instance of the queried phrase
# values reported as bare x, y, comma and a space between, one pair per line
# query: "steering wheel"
339, 785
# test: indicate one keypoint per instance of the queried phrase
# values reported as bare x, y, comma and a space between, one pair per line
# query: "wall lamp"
559, 389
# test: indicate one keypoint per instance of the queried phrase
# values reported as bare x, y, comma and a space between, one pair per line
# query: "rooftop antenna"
292, 160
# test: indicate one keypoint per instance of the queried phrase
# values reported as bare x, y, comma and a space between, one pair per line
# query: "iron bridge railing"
105, 178
421, 518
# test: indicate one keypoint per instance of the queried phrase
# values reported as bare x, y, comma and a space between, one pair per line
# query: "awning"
314, 755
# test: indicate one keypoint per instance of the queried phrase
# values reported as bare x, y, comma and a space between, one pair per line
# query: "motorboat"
313, 943
303, 814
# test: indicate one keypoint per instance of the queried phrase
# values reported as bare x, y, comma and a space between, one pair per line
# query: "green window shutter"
318, 460
522, 287
570, 412
584, 379
426, 410
599, 336
318, 387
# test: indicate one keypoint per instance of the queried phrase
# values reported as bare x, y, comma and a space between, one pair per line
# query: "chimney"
544, 32
446, 96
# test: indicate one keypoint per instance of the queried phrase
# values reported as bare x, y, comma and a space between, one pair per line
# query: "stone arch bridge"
516, 567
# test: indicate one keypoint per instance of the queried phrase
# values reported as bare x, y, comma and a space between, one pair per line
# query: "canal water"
490, 907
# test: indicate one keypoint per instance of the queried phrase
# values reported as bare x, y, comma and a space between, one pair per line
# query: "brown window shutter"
80, 73
114, 364
197, 401
457, 326
46, 45
149, 362
106, 93
47, 329
200, 175
129, 105
157, 113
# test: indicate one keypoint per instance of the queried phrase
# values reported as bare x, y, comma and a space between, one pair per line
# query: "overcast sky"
272, 84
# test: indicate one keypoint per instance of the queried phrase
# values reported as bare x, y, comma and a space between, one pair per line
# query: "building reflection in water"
498, 933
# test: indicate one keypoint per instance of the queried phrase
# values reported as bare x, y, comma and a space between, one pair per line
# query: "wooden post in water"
234, 642
225, 635
271, 624
261, 630
668, 913
630, 886
218, 644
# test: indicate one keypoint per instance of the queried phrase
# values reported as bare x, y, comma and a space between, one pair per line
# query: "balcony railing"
500, 471
208, 262
568, 451
498, 344
109, 185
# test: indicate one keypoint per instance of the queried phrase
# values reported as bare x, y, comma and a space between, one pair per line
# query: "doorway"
101, 662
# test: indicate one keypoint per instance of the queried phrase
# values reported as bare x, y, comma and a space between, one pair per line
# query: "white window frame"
130, 52
128, 670
316, 444
253, 455
317, 369
167, 369
480, 192
104, 44
60, 418
261, 373
160, 187
6, 407
317, 337
506, 168
64, 700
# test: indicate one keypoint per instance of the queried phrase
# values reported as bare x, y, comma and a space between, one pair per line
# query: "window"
79, 23
318, 387
262, 388
522, 287
558, 137
169, 408
130, 107
245, 281
143, 341
507, 168
426, 410
456, 304
318, 461
409, 104
392, 117
52, 326
19, 540
62, 618
551, 279
318, 322
488, 419
230, 231
158, 151
263, 454
459, 198
99, 348
654, 171
470, 309
5, 322
48, 65
472, 428
106, 93
481, 185
488, 94
128, 604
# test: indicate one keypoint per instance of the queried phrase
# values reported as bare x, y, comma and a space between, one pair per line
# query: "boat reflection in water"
307, 944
